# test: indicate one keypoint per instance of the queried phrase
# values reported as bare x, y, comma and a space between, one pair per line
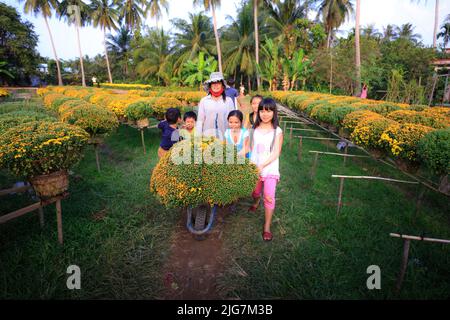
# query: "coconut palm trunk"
357, 48
83, 80
255, 14
106, 56
60, 83
436, 20
219, 52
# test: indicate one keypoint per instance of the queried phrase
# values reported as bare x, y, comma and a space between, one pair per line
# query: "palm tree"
131, 13
45, 7
406, 31
445, 33
255, 19
77, 12
358, 48
154, 7
389, 33
154, 55
105, 15
120, 45
212, 5
371, 32
436, 20
239, 43
282, 21
192, 37
334, 13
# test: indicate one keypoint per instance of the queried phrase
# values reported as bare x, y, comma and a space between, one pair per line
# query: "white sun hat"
214, 77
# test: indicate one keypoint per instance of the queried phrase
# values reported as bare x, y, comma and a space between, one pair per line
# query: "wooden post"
59, 221
300, 148
406, 243
41, 216
341, 187
345, 152
284, 127
290, 138
96, 157
313, 169
142, 138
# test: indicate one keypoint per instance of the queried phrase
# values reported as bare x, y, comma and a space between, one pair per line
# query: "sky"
376, 12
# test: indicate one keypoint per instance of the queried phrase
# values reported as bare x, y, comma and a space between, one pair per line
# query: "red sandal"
267, 236
252, 209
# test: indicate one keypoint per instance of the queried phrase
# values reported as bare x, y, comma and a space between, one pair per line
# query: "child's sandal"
267, 236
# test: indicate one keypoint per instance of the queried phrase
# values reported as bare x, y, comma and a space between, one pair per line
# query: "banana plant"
4, 71
197, 71
268, 68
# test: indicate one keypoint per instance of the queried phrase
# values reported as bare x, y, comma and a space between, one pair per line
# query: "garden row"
131, 106
412, 134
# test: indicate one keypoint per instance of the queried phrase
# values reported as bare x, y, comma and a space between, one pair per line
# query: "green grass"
316, 254
119, 235
114, 230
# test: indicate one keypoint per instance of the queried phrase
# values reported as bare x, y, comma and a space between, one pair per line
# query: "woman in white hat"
214, 108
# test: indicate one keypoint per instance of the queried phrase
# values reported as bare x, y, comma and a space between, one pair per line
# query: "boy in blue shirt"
170, 134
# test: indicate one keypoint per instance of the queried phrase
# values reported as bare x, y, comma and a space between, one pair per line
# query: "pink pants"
270, 185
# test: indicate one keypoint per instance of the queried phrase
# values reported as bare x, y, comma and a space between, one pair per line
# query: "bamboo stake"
401, 276
317, 138
41, 216
341, 187
313, 169
142, 138
419, 197
339, 154
290, 138
408, 237
302, 129
373, 178
96, 157
345, 152
284, 126
59, 221
300, 149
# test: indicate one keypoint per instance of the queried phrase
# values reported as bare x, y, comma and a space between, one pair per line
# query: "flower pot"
143, 123
51, 185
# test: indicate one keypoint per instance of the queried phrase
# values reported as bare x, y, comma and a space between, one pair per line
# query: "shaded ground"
194, 266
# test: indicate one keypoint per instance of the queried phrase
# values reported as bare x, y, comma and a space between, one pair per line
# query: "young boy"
188, 129
170, 134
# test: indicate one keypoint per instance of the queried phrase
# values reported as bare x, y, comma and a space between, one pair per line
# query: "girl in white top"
266, 140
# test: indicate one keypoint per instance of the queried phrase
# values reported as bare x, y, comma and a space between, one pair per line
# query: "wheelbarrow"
200, 220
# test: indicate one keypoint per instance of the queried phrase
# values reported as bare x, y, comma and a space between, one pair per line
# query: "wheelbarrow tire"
200, 214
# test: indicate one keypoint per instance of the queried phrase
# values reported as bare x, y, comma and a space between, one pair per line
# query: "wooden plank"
373, 178
5, 192
20, 212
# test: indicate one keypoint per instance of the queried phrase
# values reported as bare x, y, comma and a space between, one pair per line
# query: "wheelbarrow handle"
191, 229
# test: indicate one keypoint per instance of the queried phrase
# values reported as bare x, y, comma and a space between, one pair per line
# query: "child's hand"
260, 168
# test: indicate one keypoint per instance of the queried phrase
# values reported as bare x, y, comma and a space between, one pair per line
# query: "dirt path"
194, 266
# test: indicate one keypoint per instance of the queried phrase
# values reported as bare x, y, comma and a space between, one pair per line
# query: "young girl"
236, 134
266, 140
250, 119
